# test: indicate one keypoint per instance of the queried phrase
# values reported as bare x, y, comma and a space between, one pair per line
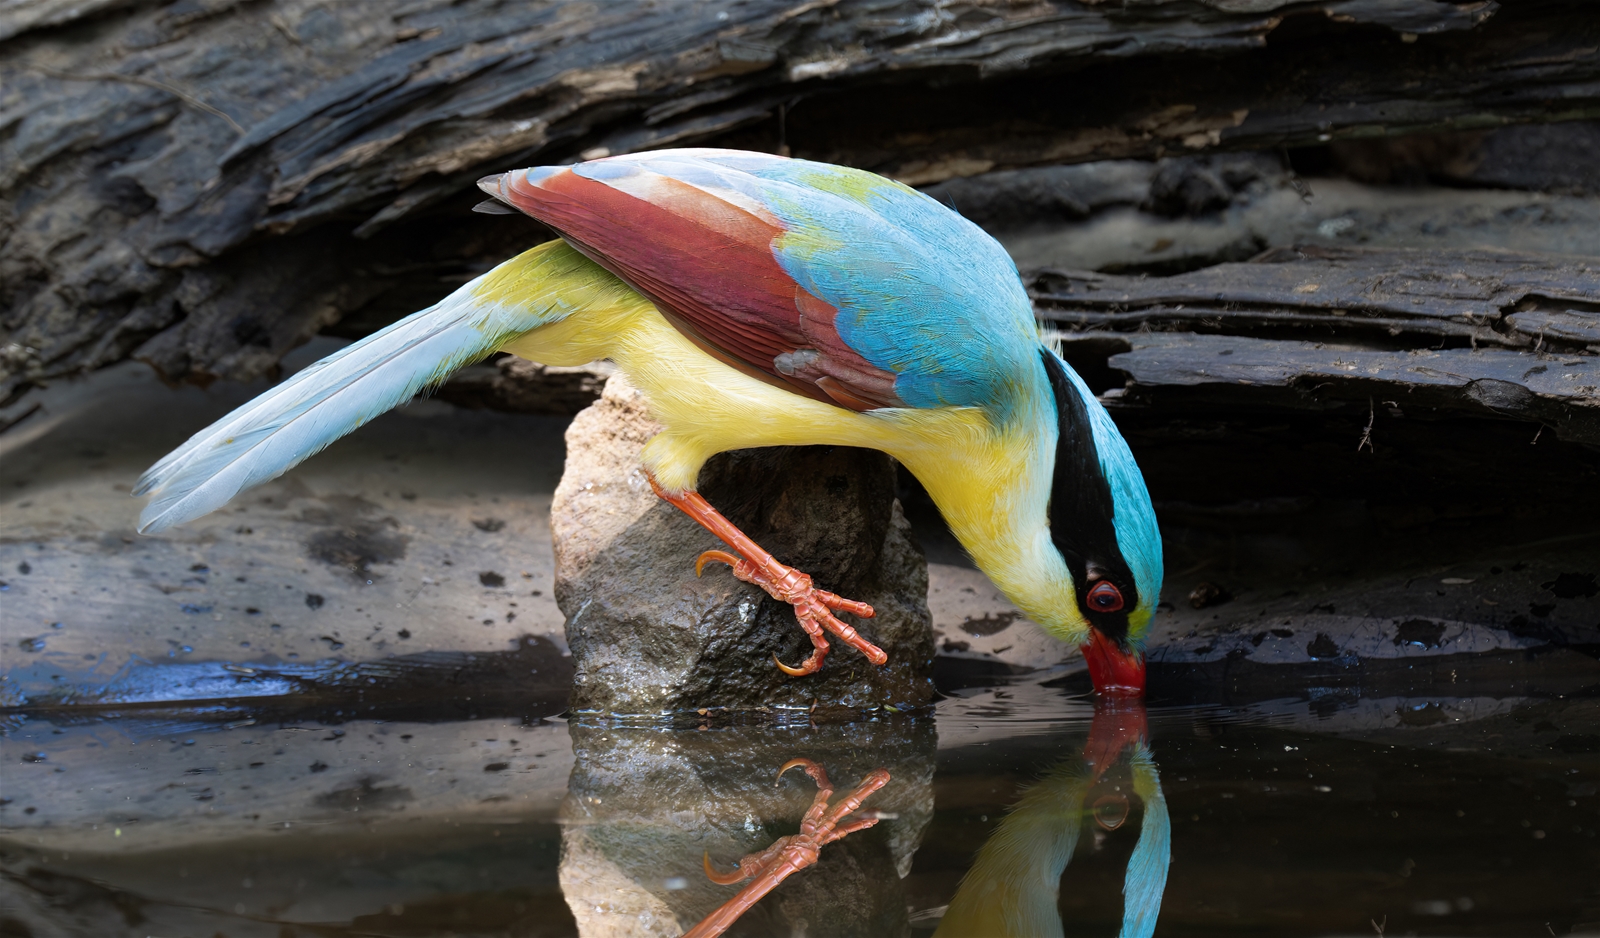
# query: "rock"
980, 634
648, 637
1332, 619
387, 567
1207, 593
1021, 197
1538, 157
1201, 185
644, 807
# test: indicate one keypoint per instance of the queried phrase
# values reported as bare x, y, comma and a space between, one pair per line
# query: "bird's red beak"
1116, 673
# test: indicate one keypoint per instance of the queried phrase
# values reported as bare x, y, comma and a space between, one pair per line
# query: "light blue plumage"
300, 417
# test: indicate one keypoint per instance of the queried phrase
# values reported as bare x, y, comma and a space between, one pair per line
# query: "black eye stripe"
1081, 507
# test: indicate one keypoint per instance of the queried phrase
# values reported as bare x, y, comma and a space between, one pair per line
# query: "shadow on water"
1018, 809
530, 680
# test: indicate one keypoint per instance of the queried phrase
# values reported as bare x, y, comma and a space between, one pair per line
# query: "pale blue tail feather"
266, 437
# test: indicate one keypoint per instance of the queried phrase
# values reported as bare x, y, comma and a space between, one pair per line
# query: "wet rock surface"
387, 567
1347, 598
649, 637
644, 807
153, 781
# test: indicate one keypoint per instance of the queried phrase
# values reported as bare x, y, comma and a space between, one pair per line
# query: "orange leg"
791, 854
813, 607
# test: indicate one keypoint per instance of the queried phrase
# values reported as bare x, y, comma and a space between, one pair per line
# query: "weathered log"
516, 384
1332, 327
1485, 297
1562, 392
181, 181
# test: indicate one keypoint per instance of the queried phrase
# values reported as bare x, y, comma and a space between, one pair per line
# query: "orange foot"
791, 854
814, 608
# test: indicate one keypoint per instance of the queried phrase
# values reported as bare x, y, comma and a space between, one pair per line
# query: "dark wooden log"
203, 185
524, 387
1562, 392
1324, 328
1495, 298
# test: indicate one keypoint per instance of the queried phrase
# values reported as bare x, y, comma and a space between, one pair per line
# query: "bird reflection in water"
1011, 889
822, 825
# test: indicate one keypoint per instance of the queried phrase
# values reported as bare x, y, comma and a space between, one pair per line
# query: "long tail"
298, 418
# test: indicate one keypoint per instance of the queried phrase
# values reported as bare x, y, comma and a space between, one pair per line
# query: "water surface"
1016, 808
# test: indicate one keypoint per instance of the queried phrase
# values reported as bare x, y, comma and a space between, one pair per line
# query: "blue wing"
921, 291
885, 281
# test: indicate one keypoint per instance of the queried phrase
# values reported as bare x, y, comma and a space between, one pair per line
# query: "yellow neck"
992, 485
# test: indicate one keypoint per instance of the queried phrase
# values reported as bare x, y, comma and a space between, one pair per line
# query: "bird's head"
1102, 524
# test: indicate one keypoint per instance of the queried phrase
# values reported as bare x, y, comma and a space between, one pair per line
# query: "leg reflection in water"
1011, 889
821, 826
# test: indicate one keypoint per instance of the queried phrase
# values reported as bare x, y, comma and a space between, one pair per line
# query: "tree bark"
204, 185
1320, 328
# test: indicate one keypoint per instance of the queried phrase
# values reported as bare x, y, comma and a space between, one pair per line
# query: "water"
1470, 814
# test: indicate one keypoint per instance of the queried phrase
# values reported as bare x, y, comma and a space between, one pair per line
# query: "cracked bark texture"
203, 184
1334, 328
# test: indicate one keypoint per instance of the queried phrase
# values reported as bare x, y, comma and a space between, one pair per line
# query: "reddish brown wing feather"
708, 265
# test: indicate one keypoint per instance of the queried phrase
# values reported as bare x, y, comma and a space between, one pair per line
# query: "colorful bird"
758, 300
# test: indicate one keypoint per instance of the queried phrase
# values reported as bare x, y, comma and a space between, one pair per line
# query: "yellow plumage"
991, 482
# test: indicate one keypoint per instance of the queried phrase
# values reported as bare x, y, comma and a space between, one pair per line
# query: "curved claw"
816, 771
721, 879
809, 666
717, 556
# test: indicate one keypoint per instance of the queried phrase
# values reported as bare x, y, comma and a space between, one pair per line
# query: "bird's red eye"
1105, 597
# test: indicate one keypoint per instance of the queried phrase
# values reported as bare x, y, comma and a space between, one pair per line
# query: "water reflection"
1474, 814
645, 806
1013, 885
823, 824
